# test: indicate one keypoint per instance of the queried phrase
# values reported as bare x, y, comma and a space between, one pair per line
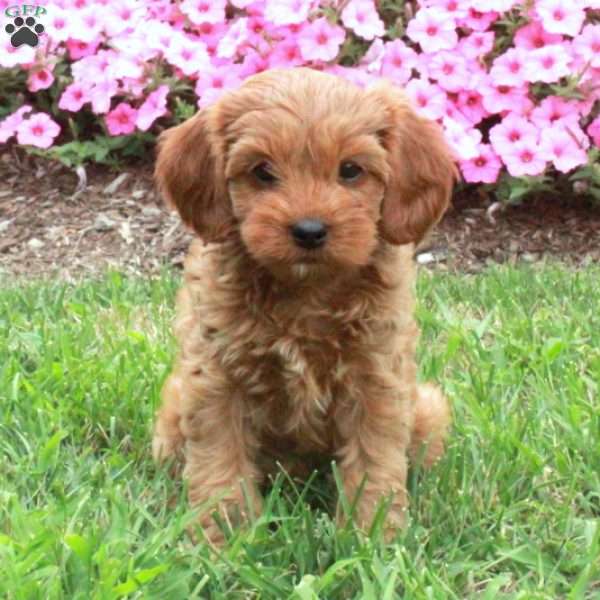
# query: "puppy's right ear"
190, 177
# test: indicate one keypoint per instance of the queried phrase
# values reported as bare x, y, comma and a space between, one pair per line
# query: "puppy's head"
310, 171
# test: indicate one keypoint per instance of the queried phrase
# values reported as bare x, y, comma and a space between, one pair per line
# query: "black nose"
309, 233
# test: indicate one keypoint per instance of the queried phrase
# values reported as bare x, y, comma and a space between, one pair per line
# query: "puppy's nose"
309, 233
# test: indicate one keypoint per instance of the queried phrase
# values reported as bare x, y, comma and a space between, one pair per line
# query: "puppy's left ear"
190, 177
421, 170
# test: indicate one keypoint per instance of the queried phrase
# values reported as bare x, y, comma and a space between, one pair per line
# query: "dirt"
56, 223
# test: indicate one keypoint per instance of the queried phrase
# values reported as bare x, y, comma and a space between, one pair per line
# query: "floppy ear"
190, 177
422, 171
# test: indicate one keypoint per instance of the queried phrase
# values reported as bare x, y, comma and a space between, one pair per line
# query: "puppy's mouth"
308, 269
309, 259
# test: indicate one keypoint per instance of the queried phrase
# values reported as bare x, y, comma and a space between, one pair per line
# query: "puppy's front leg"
220, 468
168, 441
373, 427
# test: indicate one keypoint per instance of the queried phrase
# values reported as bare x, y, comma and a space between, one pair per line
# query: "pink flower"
560, 16
89, 24
204, 11
587, 45
90, 69
121, 120
101, 94
588, 76
483, 168
449, 70
356, 76
39, 130
133, 87
373, 57
287, 12
125, 16
477, 45
141, 46
429, 99
453, 8
585, 106
432, 30
495, 5
123, 67
211, 36
233, 39
563, 147
11, 57
165, 11
509, 68
78, 49
523, 159
73, 98
593, 131
505, 98
470, 104
478, 21
9, 125
547, 64
554, 109
212, 83
257, 29
462, 138
285, 54
40, 79
59, 24
533, 36
157, 36
361, 16
512, 130
452, 111
320, 40
398, 61
154, 106
190, 56
253, 63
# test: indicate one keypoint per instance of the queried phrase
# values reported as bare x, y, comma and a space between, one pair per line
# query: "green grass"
512, 511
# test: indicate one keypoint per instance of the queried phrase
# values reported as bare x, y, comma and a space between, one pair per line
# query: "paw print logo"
24, 31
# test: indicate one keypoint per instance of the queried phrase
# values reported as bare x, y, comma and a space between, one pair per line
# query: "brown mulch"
477, 232
53, 226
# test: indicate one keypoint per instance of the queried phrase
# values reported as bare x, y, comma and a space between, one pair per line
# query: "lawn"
512, 511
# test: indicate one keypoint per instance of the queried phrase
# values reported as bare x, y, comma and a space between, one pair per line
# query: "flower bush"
515, 85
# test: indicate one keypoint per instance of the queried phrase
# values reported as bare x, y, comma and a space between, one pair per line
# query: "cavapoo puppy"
295, 321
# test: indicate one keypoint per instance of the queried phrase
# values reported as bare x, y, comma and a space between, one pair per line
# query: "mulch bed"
53, 225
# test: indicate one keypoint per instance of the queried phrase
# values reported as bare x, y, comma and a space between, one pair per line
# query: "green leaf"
136, 580
552, 349
79, 545
305, 589
48, 453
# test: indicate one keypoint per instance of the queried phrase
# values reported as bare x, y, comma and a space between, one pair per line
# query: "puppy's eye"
263, 174
350, 172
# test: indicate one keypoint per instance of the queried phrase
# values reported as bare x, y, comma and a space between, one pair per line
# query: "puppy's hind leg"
431, 423
168, 440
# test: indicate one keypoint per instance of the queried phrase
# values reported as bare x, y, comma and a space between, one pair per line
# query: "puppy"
295, 321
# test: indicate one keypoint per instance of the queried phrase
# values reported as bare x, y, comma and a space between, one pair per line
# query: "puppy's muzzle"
309, 233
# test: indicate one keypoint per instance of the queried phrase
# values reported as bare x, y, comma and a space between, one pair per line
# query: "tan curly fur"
286, 352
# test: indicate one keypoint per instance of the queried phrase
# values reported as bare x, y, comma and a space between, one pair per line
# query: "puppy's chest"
295, 371
303, 357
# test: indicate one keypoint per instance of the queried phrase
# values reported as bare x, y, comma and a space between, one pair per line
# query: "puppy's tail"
431, 423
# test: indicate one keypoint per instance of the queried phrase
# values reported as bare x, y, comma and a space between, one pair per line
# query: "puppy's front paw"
229, 514
168, 439
165, 447
395, 517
